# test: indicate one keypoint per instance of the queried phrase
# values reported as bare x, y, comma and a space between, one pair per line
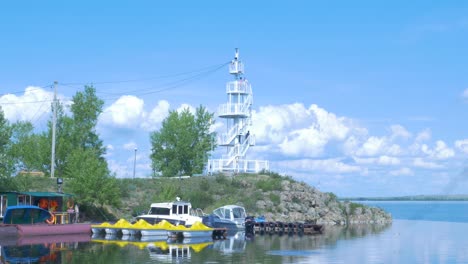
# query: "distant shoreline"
461, 197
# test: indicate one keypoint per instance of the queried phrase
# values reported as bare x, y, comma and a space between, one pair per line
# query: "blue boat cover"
25, 214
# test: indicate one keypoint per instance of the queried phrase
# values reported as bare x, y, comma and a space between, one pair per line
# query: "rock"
301, 202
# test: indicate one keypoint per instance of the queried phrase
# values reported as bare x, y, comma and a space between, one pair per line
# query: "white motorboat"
232, 213
176, 213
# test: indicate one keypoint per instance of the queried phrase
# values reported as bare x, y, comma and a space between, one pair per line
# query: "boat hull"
130, 232
112, 231
188, 234
97, 230
156, 232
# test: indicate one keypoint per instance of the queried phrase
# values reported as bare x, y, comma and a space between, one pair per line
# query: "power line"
35, 89
171, 85
194, 75
148, 78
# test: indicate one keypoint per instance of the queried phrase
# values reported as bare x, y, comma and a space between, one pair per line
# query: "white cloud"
440, 151
156, 116
419, 162
424, 135
31, 106
325, 166
297, 130
382, 160
462, 145
183, 107
122, 171
130, 146
387, 160
126, 112
398, 131
372, 146
402, 172
465, 94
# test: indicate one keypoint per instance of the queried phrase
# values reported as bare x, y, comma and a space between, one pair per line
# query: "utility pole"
54, 123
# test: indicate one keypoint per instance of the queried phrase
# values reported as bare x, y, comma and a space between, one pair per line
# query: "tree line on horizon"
180, 147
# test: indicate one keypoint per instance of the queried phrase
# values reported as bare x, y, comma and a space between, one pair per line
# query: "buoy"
51, 220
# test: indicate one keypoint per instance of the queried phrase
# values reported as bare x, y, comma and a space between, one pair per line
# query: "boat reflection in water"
160, 248
40, 249
232, 244
178, 250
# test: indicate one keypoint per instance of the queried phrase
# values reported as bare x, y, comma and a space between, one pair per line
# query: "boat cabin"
173, 208
177, 212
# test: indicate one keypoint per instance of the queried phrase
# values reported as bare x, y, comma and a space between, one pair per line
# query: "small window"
159, 211
174, 209
185, 209
181, 209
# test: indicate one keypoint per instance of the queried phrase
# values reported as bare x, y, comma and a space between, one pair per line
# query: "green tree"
86, 109
182, 145
28, 149
84, 160
77, 130
6, 161
91, 180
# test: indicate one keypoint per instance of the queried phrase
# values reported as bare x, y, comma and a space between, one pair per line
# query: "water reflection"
232, 244
43, 249
238, 247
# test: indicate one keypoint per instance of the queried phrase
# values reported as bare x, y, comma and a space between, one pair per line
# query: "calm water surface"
426, 240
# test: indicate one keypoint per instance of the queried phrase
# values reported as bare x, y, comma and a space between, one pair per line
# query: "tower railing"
242, 165
233, 109
236, 109
238, 86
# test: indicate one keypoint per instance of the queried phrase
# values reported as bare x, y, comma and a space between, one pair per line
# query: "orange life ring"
70, 204
51, 220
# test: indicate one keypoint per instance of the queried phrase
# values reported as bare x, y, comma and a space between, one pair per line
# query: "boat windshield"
238, 212
159, 211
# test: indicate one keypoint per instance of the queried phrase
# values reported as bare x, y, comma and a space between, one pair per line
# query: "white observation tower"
238, 138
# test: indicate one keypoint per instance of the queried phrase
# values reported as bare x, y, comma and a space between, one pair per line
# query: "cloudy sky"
358, 98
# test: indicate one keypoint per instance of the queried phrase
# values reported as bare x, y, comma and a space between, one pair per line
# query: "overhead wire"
194, 75
148, 78
170, 85
21, 92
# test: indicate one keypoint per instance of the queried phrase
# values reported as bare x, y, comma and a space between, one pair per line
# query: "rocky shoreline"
301, 202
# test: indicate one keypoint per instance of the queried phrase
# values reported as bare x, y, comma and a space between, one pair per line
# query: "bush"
331, 198
221, 179
353, 207
250, 201
200, 199
269, 185
275, 198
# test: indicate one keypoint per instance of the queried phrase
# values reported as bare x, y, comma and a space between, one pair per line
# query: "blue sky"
359, 98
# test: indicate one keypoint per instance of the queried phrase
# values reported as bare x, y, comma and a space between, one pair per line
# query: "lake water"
422, 232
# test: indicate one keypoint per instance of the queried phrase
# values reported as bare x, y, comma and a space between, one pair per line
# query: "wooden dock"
281, 228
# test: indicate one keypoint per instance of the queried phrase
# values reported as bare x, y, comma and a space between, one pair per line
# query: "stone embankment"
300, 202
